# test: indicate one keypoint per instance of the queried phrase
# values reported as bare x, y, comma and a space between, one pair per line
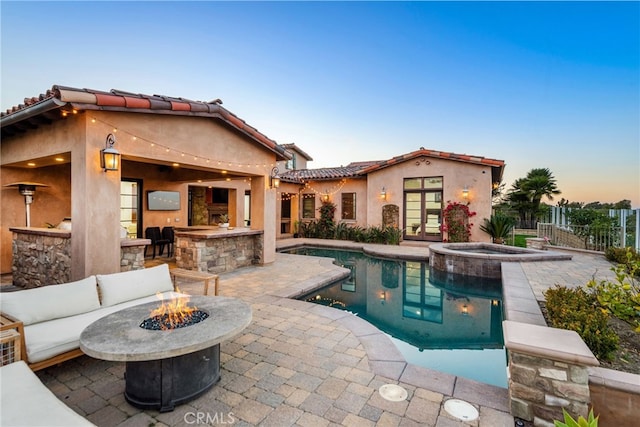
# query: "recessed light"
59, 159
31, 164
176, 164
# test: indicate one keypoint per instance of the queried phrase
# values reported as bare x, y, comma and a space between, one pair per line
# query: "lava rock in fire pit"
163, 323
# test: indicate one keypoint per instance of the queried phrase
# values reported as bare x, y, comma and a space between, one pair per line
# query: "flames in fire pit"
173, 314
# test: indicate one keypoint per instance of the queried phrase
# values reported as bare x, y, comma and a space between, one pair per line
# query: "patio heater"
27, 189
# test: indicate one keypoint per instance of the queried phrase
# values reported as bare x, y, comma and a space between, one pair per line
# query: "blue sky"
539, 84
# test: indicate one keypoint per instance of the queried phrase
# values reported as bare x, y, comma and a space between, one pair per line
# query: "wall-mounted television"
158, 200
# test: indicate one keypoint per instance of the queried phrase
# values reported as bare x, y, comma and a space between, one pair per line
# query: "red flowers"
456, 222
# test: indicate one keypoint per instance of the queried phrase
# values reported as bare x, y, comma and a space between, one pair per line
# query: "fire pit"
170, 366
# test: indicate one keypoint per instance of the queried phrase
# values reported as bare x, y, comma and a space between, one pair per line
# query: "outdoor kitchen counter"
218, 250
215, 232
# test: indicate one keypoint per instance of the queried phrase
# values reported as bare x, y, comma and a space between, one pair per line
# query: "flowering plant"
456, 222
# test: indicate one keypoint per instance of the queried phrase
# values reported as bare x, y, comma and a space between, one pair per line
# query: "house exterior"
409, 191
211, 163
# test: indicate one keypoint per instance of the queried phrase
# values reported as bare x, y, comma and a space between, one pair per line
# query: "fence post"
637, 229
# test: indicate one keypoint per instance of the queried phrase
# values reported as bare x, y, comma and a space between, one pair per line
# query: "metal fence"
581, 236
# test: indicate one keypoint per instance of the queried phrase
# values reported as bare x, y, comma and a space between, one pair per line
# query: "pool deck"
301, 364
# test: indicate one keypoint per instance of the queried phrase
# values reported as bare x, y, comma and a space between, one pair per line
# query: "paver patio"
300, 364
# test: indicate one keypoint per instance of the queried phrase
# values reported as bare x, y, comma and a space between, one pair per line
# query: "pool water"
453, 327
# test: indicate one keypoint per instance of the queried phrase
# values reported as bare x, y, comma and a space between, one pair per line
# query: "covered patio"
164, 144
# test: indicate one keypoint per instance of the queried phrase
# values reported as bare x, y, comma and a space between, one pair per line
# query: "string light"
334, 189
196, 158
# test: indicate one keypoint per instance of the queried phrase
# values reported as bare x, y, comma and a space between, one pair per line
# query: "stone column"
548, 371
132, 254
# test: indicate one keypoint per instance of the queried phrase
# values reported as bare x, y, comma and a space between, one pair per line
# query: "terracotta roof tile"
131, 102
180, 106
301, 175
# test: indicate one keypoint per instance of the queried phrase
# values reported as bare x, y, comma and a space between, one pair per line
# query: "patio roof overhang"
60, 101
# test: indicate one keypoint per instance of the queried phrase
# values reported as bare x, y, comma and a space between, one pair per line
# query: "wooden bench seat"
195, 275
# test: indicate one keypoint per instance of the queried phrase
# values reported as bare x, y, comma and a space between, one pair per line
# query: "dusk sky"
538, 85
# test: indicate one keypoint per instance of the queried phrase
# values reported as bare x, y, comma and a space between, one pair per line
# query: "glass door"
131, 206
423, 209
432, 215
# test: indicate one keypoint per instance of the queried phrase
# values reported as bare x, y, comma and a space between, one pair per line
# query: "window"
308, 206
348, 205
291, 164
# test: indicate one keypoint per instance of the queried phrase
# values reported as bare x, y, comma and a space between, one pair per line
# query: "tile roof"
496, 165
59, 97
302, 175
360, 169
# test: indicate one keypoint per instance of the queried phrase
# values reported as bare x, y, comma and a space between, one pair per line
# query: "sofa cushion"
120, 287
48, 339
51, 302
27, 402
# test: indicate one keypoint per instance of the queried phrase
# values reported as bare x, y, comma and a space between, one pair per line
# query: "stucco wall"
456, 175
92, 195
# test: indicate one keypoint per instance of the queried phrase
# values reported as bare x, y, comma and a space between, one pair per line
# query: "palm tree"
540, 183
526, 193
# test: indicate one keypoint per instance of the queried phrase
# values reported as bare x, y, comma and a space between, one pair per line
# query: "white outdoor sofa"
50, 319
26, 402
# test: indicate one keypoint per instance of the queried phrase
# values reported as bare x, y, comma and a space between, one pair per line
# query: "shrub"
576, 310
499, 227
622, 297
580, 422
456, 222
622, 255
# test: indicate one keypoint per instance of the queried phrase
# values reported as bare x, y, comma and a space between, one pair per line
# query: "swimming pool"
453, 327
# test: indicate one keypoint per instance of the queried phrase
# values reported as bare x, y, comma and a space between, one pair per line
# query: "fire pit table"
165, 368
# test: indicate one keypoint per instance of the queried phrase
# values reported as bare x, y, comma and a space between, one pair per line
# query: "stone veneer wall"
219, 255
541, 387
41, 257
131, 258
548, 371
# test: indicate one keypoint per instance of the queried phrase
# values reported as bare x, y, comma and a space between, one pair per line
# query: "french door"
423, 209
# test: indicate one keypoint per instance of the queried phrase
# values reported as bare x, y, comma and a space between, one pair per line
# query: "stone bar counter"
216, 250
42, 256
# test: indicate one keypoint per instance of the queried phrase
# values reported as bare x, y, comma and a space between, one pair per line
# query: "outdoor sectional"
51, 318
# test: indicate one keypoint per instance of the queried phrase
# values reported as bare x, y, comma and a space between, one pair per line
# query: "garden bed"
627, 357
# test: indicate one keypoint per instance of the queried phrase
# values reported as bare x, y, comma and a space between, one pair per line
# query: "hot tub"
481, 259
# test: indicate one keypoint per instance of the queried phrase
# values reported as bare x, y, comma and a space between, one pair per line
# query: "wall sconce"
325, 197
495, 302
274, 179
465, 192
383, 193
109, 156
465, 310
383, 297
